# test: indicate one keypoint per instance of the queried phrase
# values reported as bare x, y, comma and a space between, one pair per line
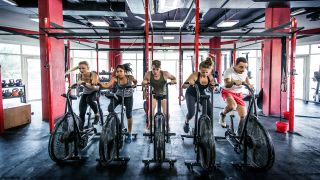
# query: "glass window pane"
314, 67
139, 71
34, 77
103, 65
103, 55
315, 48
30, 50
9, 48
82, 53
298, 91
127, 55
11, 67
158, 55
139, 55
302, 49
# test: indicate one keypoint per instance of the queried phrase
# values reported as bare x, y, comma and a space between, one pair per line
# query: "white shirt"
233, 75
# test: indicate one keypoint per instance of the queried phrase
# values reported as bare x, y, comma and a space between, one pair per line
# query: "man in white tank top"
232, 91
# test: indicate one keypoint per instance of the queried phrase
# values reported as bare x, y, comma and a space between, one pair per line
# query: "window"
314, 66
82, 53
302, 49
10, 48
315, 49
30, 50
11, 66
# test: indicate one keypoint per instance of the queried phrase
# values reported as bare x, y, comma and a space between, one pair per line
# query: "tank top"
192, 90
127, 92
87, 90
158, 85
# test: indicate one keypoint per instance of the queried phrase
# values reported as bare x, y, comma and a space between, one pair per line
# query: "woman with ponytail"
121, 79
203, 79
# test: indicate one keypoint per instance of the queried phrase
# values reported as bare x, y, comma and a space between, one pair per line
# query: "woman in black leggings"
89, 80
122, 79
203, 79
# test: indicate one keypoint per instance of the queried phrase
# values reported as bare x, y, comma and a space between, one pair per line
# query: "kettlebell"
6, 93
18, 82
11, 82
20, 92
4, 83
15, 92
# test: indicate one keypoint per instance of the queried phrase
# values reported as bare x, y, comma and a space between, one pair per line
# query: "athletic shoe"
186, 127
128, 139
96, 119
222, 120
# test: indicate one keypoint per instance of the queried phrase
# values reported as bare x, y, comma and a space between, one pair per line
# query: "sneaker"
222, 120
96, 119
186, 127
128, 139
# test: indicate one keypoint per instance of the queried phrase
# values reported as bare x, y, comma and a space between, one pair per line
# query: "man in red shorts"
232, 91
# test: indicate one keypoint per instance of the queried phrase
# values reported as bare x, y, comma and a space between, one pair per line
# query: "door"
33, 87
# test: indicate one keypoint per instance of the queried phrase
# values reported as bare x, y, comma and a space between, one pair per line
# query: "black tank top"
192, 90
158, 85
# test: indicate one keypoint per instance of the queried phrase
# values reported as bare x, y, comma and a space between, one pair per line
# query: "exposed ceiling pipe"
191, 3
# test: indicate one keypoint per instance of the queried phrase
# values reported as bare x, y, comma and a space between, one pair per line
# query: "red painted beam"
309, 31
1, 107
146, 29
197, 35
22, 31
261, 66
292, 79
215, 42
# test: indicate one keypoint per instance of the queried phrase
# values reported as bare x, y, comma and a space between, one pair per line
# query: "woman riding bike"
122, 79
203, 79
89, 80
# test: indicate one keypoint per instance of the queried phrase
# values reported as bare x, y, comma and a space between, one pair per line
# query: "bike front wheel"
207, 151
107, 144
260, 146
61, 142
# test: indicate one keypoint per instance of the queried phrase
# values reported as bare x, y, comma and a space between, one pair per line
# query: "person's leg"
191, 101
82, 110
165, 111
128, 103
242, 111
231, 105
91, 100
153, 108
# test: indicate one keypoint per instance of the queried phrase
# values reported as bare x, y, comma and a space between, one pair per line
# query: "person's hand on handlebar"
172, 82
238, 82
80, 82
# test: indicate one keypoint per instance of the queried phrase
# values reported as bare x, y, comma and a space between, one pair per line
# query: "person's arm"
133, 80
167, 75
212, 82
248, 82
146, 79
189, 81
79, 80
109, 84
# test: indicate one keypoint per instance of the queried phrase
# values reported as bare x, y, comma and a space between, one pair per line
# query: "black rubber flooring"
24, 150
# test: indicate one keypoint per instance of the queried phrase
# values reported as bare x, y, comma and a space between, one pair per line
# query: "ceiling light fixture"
228, 23
11, 2
173, 23
100, 23
168, 37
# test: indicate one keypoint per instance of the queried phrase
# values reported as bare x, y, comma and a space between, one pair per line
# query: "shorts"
238, 97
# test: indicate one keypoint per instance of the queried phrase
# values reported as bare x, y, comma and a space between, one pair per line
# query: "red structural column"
292, 68
261, 66
180, 69
52, 63
146, 28
115, 55
216, 44
196, 46
97, 57
1, 107
274, 16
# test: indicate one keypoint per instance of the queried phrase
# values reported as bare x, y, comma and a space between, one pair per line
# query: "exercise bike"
161, 134
67, 139
113, 134
253, 141
203, 137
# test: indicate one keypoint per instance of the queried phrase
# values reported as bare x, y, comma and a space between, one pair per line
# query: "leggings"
191, 104
128, 103
84, 101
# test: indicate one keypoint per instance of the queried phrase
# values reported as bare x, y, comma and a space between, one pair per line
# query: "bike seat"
204, 96
248, 97
72, 97
110, 95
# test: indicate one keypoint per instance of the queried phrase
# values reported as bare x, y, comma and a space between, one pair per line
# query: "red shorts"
238, 97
